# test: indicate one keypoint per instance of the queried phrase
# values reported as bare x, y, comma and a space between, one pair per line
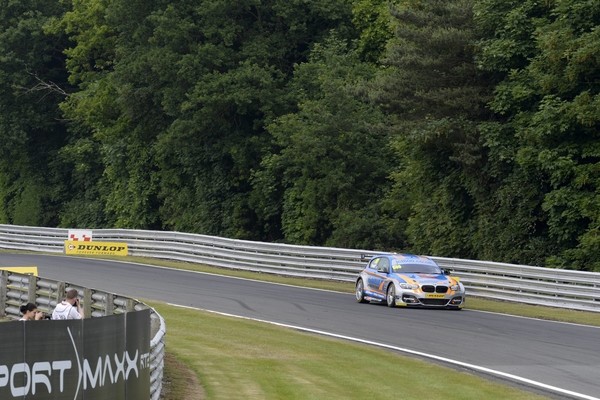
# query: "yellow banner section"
23, 270
95, 248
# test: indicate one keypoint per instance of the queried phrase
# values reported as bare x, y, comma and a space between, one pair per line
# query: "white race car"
408, 280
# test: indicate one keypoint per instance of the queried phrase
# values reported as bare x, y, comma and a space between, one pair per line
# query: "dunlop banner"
95, 248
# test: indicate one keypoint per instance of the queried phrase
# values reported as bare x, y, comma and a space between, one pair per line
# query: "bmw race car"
408, 280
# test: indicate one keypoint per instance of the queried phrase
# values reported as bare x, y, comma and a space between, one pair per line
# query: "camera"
44, 315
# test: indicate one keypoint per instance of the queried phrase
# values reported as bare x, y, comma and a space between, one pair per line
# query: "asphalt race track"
563, 359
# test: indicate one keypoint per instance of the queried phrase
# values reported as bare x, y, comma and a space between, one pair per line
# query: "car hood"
425, 279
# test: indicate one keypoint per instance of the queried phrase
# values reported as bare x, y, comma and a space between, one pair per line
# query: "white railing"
576, 290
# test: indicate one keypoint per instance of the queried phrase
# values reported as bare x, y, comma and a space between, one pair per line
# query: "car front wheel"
360, 292
391, 296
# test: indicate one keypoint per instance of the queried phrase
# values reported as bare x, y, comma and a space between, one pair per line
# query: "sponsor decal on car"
434, 295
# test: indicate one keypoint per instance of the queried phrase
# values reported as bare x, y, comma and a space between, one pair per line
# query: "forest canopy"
454, 128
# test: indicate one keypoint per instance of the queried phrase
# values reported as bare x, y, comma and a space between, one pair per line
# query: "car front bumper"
410, 299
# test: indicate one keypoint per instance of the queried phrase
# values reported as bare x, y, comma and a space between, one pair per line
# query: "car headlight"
455, 288
410, 286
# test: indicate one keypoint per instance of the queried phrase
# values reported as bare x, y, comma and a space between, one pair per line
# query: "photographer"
69, 308
31, 313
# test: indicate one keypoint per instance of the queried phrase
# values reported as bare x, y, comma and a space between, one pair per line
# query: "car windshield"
407, 268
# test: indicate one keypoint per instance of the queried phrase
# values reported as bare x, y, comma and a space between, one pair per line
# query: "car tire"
390, 298
360, 292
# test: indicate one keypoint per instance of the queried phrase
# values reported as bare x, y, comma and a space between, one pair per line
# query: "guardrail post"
3, 292
109, 304
87, 302
32, 289
60, 291
130, 305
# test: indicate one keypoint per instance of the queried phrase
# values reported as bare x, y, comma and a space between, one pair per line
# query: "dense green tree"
511, 225
373, 20
32, 132
115, 115
234, 70
431, 89
330, 174
549, 97
461, 128
174, 98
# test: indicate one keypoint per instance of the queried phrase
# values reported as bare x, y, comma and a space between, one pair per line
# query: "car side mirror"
447, 271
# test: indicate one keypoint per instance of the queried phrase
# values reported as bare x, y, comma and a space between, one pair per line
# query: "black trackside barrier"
89, 359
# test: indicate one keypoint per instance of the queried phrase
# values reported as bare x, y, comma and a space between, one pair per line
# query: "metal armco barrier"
575, 290
131, 372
